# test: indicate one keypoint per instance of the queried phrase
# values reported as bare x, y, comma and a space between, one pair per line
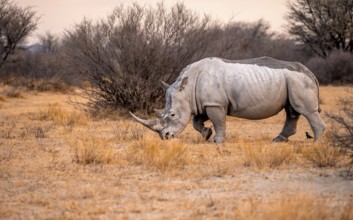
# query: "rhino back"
253, 89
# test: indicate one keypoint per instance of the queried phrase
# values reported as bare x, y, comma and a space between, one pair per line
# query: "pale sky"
59, 15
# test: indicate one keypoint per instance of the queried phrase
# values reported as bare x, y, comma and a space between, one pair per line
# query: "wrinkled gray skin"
256, 88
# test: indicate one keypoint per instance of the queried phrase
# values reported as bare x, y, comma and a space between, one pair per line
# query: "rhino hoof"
280, 138
218, 140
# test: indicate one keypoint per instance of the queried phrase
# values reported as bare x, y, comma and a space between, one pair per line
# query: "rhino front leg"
217, 115
198, 123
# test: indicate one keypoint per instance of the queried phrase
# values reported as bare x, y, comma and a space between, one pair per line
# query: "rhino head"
171, 120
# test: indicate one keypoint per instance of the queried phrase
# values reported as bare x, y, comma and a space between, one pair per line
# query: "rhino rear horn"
165, 85
183, 83
159, 112
154, 125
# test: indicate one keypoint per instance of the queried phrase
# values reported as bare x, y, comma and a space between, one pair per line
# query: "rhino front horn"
154, 125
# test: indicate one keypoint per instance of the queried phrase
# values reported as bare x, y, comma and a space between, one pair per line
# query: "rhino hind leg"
198, 123
217, 115
304, 98
290, 125
317, 124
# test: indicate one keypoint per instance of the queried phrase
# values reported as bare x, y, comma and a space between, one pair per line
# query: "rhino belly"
257, 111
258, 100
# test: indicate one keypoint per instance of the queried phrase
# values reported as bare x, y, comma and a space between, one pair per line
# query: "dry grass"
13, 92
270, 156
157, 154
290, 207
322, 155
7, 127
91, 150
2, 98
54, 112
124, 130
58, 163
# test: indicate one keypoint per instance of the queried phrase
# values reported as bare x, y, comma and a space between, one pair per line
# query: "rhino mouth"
165, 135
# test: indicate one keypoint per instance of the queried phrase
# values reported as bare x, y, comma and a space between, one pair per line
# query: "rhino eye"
172, 115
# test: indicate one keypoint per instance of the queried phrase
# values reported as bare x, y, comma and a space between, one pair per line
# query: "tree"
50, 43
16, 24
343, 134
322, 25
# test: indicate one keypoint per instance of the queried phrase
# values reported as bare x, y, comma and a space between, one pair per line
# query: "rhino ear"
183, 83
165, 85
159, 112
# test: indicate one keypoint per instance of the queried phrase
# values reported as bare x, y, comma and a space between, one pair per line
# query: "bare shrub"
43, 69
124, 56
342, 133
16, 24
337, 68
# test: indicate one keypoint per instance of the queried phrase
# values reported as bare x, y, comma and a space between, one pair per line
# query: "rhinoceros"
212, 88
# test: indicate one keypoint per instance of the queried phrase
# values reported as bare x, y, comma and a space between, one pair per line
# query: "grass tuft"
273, 156
92, 150
321, 155
13, 92
56, 113
158, 154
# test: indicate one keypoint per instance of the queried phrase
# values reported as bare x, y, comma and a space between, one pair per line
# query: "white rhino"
255, 88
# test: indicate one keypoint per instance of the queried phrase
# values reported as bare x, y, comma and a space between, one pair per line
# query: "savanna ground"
58, 163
